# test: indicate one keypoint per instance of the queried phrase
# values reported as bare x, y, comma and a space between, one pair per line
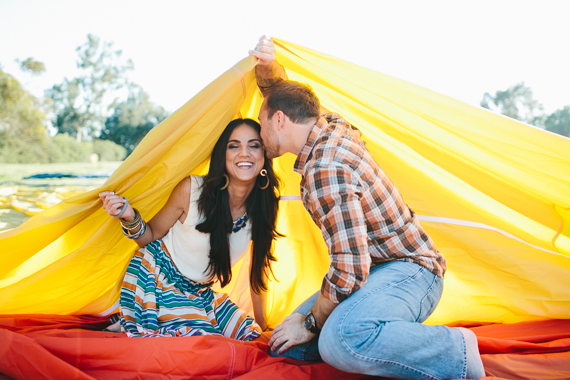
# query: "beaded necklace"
239, 223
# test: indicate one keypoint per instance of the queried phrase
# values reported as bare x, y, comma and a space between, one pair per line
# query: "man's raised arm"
268, 71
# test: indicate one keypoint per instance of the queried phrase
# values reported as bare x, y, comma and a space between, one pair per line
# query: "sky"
458, 48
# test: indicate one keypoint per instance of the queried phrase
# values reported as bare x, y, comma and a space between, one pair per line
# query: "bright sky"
458, 48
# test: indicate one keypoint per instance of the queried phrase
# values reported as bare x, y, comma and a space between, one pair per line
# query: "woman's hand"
113, 204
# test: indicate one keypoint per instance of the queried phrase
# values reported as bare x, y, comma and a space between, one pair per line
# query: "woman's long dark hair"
261, 206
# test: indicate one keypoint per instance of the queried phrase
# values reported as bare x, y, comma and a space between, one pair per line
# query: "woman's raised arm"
176, 208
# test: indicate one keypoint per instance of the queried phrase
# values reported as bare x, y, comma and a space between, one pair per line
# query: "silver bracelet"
137, 235
133, 222
124, 208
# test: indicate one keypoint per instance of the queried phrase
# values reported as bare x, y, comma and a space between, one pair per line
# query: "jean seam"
433, 283
304, 350
464, 369
356, 354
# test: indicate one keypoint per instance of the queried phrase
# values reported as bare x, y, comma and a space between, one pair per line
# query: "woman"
203, 229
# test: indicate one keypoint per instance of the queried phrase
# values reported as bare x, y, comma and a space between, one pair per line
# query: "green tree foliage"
32, 66
559, 121
23, 134
81, 104
516, 102
132, 119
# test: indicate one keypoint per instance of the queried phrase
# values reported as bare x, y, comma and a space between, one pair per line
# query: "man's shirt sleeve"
335, 204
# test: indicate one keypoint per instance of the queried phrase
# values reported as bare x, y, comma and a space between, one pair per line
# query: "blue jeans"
378, 330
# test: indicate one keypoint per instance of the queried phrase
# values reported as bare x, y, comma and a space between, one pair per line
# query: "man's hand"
264, 51
291, 332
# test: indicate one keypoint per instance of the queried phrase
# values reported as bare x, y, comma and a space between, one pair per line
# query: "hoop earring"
227, 183
263, 173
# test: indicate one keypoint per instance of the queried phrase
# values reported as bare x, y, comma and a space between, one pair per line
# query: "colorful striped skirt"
157, 300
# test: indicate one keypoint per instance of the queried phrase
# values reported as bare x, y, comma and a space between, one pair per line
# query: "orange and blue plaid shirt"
361, 214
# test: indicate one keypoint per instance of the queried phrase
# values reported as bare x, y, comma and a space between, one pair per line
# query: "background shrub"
106, 150
23, 152
65, 148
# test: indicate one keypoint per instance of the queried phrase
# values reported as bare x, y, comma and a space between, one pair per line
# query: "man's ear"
281, 119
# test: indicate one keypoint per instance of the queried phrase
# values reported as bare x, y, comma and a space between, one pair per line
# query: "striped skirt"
157, 300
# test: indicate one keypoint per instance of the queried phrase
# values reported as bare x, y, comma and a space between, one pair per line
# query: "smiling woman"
204, 228
244, 158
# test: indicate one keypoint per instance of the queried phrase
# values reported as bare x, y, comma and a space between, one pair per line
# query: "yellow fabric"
492, 192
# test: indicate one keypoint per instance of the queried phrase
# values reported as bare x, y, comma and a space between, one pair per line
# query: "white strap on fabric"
466, 223
457, 222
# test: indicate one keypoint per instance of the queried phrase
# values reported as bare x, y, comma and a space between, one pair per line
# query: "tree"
81, 104
559, 121
132, 119
23, 133
32, 66
516, 102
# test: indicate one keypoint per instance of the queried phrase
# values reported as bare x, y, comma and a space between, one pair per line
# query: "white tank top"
190, 248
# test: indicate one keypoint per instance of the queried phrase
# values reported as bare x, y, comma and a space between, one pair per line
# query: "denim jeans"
378, 330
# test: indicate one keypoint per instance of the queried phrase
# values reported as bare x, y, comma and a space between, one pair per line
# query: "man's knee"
333, 346
329, 343
342, 343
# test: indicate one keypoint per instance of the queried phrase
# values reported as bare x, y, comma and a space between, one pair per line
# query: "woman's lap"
157, 300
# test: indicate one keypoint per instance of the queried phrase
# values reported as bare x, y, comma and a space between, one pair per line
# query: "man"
385, 275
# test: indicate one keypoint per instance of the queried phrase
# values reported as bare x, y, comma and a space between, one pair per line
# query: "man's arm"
336, 202
268, 71
322, 309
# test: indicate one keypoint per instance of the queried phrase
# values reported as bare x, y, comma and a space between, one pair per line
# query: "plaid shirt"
361, 214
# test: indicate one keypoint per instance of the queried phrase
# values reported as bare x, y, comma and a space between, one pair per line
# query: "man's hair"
294, 99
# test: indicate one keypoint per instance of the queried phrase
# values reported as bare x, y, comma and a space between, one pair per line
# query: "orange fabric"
526, 338
56, 347
73, 347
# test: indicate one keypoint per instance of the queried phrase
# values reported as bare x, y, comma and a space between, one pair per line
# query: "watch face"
310, 323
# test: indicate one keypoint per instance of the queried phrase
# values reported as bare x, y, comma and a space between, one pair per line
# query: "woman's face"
244, 154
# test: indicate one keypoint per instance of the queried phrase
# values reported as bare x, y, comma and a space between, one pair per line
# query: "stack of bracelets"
137, 223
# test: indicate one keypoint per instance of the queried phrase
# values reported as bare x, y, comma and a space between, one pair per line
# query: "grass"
13, 174
20, 198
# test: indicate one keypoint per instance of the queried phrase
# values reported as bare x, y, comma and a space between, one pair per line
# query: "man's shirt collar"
309, 145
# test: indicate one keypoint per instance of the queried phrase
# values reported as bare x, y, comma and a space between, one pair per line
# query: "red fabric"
73, 347
530, 350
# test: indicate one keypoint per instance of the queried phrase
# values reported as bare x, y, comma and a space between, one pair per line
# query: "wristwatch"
311, 323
